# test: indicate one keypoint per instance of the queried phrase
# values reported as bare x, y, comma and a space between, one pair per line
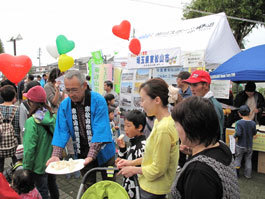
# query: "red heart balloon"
122, 30
15, 67
135, 46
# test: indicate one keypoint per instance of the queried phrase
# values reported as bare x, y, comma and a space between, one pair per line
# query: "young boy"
110, 99
133, 125
245, 130
113, 127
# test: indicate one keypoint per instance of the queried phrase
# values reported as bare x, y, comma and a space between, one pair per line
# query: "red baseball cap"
36, 94
198, 76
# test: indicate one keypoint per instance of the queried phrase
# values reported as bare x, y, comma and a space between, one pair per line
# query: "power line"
199, 11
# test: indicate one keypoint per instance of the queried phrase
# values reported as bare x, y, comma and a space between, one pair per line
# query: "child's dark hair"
244, 110
137, 118
8, 93
31, 85
111, 110
109, 97
23, 181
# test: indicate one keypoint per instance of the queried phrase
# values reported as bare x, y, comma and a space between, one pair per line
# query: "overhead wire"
199, 11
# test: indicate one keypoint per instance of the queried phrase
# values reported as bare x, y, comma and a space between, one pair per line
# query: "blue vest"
99, 124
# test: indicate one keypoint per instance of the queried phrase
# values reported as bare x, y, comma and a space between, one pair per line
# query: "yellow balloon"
65, 62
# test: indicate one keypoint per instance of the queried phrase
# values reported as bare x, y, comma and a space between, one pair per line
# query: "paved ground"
249, 188
253, 188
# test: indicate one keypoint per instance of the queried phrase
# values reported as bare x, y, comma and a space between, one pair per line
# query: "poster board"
100, 73
220, 88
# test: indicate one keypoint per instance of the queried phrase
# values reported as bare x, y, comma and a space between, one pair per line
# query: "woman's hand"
117, 160
128, 171
124, 163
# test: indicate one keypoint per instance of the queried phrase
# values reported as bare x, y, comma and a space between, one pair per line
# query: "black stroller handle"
96, 170
115, 170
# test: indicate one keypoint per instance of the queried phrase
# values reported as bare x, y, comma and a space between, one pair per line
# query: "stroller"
105, 189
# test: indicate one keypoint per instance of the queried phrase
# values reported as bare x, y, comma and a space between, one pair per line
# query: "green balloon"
64, 45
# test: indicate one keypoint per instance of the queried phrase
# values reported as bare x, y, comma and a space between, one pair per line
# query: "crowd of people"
175, 142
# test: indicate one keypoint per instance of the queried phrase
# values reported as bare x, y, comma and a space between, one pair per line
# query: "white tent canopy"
210, 34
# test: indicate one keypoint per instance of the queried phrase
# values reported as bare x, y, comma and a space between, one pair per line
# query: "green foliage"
1, 47
262, 91
236, 88
247, 9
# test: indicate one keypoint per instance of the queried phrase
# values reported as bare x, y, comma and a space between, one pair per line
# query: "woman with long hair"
52, 89
39, 128
160, 159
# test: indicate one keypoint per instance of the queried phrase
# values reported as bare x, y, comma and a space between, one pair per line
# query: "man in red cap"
199, 82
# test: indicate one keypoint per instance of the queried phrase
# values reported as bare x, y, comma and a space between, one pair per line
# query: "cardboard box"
261, 162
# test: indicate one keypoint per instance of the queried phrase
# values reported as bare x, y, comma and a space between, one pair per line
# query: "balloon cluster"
63, 46
15, 67
123, 31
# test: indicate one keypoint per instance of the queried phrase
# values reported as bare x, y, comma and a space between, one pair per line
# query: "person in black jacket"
253, 99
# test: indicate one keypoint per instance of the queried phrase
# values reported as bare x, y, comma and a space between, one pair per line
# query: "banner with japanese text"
117, 79
155, 58
97, 57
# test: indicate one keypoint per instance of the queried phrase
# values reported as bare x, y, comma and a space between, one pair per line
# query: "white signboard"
169, 74
155, 58
232, 144
220, 88
193, 59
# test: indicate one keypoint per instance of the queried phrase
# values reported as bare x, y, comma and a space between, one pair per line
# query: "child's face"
112, 102
130, 129
111, 116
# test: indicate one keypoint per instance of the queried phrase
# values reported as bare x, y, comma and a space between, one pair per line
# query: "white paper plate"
78, 165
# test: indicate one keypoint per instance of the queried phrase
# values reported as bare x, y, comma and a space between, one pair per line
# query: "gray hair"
75, 73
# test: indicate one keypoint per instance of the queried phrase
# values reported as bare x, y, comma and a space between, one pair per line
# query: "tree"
247, 9
1, 47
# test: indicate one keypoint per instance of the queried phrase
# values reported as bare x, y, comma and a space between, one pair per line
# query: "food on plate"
121, 137
70, 165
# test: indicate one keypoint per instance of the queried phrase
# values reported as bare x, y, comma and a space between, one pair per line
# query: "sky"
88, 23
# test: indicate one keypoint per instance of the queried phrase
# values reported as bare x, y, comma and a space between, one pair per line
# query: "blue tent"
248, 65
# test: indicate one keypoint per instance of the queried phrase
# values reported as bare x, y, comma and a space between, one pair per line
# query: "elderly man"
199, 82
184, 86
84, 117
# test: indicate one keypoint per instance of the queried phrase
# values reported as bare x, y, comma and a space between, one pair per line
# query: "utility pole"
14, 39
39, 54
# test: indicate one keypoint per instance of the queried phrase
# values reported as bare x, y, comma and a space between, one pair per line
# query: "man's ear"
140, 128
85, 84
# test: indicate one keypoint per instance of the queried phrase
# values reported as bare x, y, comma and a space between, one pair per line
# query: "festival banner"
95, 77
117, 79
101, 78
108, 72
97, 57
155, 58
